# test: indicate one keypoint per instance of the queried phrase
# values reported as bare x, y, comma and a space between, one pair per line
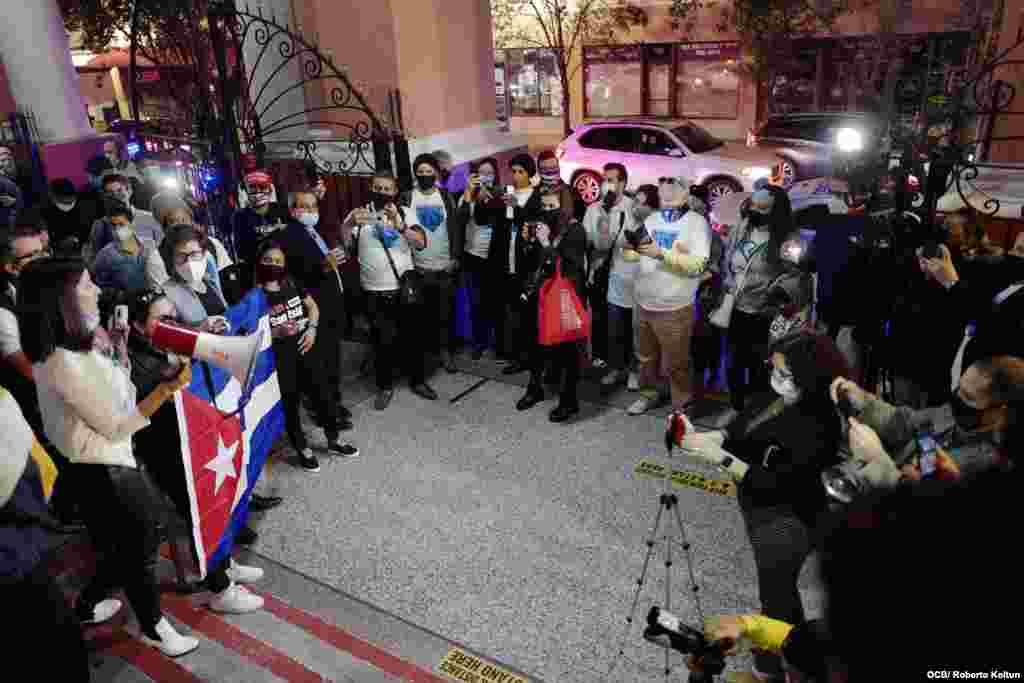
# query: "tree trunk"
566, 101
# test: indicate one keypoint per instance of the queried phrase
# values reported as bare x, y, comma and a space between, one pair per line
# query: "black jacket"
494, 213
22, 389
306, 265
571, 250
786, 454
999, 328
456, 221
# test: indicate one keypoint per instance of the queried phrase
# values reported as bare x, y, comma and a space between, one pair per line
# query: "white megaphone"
237, 355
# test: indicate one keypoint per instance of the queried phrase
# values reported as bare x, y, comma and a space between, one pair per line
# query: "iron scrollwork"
345, 111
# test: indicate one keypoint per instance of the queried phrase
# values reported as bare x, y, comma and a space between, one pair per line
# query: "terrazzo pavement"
520, 538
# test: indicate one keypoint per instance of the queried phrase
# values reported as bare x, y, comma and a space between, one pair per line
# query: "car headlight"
755, 172
849, 140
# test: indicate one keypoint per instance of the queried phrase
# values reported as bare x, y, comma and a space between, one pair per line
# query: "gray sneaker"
384, 397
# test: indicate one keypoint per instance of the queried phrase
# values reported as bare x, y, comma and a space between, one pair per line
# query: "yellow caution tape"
651, 469
459, 665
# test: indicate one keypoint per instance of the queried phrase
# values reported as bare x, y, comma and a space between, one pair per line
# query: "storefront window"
708, 82
613, 78
533, 84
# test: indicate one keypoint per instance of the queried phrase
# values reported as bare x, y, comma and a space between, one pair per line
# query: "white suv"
650, 151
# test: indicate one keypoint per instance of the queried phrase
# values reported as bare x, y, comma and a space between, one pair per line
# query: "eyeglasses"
182, 259
669, 181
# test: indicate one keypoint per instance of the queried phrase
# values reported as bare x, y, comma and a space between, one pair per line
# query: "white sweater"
88, 407
671, 284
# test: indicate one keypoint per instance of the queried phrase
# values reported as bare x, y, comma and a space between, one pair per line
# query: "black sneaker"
246, 536
345, 450
308, 461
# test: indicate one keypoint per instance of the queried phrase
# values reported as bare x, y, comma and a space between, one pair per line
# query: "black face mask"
266, 272
380, 200
426, 182
551, 217
967, 418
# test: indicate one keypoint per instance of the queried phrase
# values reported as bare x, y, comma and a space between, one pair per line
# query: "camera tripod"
668, 505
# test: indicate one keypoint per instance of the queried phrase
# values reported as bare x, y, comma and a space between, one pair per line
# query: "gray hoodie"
763, 276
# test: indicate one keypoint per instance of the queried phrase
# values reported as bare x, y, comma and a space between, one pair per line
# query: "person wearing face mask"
294, 327
550, 174
483, 279
776, 450
12, 198
257, 221
983, 411
549, 245
195, 294
317, 270
432, 209
507, 251
117, 190
675, 249
150, 367
607, 224
383, 239
754, 270
120, 163
706, 347
90, 412
69, 216
121, 265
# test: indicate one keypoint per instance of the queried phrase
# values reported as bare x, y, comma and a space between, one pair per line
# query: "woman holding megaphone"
90, 413
151, 367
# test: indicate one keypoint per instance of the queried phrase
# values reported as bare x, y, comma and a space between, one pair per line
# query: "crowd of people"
637, 283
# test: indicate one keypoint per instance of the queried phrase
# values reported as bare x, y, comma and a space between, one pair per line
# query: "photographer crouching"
892, 444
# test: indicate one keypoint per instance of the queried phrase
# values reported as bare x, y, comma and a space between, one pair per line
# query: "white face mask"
66, 207
785, 387
309, 219
124, 233
193, 271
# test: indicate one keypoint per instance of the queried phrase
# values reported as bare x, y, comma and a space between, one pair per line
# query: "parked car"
650, 150
806, 142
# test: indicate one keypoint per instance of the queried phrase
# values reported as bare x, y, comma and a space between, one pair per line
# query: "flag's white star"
224, 463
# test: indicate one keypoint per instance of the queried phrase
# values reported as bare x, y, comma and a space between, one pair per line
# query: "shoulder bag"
410, 283
723, 314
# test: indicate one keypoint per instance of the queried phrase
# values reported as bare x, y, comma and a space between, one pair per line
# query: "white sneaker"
170, 642
235, 599
633, 384
643, 404
239, 573
104, 611
613, 378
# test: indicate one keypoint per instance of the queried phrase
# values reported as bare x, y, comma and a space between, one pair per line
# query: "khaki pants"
666, 333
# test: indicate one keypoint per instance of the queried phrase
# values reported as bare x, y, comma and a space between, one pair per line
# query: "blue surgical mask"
487, 180
309, 219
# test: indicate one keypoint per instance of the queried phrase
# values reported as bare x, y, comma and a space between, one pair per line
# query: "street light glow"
849, 140
171, 183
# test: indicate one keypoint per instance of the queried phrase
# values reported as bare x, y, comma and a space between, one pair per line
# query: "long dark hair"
815, 361
45, 304
780, 222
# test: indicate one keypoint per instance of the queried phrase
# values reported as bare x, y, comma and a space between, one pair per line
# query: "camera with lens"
666, 629
638, 237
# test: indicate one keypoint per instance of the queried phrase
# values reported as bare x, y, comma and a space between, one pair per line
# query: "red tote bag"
562, 317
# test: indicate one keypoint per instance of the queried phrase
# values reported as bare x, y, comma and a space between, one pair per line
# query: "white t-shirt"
10, 333
522, 196
375, 272
623, 272
428, 211
478, 237
659, 288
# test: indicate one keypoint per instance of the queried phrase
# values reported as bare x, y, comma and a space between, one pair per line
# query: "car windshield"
696, 139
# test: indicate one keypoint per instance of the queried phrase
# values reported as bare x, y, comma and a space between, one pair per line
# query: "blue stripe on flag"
245, 318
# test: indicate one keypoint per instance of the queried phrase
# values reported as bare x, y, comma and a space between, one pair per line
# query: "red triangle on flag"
215, 448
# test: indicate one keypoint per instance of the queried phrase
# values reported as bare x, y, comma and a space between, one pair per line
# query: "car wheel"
720, 187
588, 186
788, 169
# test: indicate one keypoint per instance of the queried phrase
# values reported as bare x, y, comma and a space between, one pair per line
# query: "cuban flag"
226, 436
